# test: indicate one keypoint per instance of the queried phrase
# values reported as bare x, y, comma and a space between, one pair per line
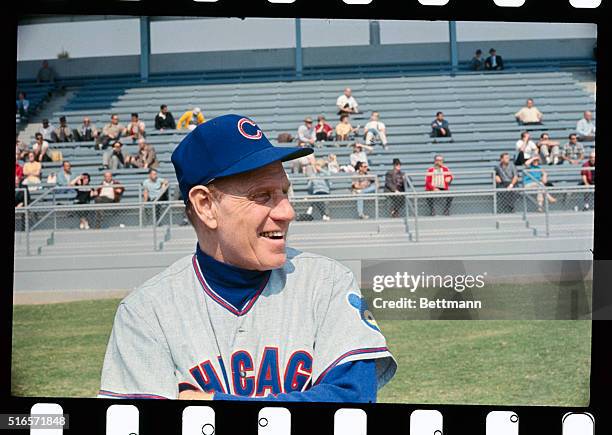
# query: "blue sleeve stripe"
130, 396
348, 354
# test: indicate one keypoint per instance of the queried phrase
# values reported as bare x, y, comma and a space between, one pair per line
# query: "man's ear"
204, 206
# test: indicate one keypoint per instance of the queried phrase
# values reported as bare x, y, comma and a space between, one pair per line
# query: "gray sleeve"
347, 331
138, 364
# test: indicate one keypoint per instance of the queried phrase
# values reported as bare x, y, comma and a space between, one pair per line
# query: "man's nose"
283, 210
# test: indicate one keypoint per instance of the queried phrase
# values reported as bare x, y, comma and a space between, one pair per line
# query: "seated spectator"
65, 176
375, 130
18, 170
306, 135
585, 128
588, 179
477, 62
146, 157
506, 178
109, 191
573, 151
394, 182
32, 171
362, 183
494, 62
115, 157
87, 132
190, 119
22, 197
346, 103
535, 177
164, 119
21, 149
40, 148
110, 133
549, 149
84, 194
438, 178
46, 74
358, 154
319, 184
63, 133
440, 127
47, 131
154, 188
529, 115
303, 165
332, 164
23, 106
323, 130
344, 129
135, 128
525, 148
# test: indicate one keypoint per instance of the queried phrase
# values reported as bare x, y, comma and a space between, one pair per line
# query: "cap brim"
264, 157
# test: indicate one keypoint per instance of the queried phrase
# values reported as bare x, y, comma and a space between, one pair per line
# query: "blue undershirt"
353, 381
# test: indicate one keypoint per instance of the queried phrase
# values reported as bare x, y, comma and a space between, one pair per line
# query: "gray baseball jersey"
175, 333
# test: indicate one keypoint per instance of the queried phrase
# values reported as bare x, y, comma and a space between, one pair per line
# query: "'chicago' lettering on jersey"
249, 380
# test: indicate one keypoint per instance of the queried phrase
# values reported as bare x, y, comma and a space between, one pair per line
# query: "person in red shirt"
323, 130
438, 178
18, 169
588, 179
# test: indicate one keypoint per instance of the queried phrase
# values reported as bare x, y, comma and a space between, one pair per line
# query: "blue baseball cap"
223, 146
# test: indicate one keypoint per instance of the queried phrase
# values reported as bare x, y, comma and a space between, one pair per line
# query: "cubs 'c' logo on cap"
258, 134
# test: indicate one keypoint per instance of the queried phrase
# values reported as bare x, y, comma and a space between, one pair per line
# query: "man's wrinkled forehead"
272, 175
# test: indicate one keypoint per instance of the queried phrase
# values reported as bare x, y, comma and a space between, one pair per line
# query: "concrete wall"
313, 56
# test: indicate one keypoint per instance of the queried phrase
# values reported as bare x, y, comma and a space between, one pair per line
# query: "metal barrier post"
524, 204
376, 198
416, 218
154, 214
27, 222
140, 209
170, 210
54, 212
546, 220
494, 196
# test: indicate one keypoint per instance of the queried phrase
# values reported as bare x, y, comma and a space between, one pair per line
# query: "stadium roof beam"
145, 48
299, 61
452, 42
49, 19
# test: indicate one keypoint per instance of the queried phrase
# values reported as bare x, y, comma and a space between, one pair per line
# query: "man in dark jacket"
394, 182
164, 119
494, 62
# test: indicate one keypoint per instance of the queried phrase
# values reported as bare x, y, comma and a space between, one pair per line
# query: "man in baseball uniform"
245, 317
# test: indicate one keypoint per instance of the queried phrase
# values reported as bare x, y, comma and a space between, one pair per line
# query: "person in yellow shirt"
190, 119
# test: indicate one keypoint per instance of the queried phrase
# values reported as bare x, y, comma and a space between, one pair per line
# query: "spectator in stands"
375, 130
164, 119
23, 106
319, 184
344, 129
21, 149
585, 128
477, 62
394, 182
146, 157
573, 151
32, 171
303, 165
84, 194
535, 177
47, 131
190, 119
438, 179
65, 177
525, 148
46, 74
63, 133
22, 195
108, 192
358, 154
110, 133
346, 103
588, 179
135, 128
323, 130
87, 133
440, 127
40, 148
362, 183
115, 157
18, 169
529, 115
306, 133
506, 178
494, 62
332, 164
549, 149
154, 188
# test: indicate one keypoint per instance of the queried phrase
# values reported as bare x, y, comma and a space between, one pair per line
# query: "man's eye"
261, 197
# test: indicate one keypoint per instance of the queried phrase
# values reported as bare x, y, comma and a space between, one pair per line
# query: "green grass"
58, 350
